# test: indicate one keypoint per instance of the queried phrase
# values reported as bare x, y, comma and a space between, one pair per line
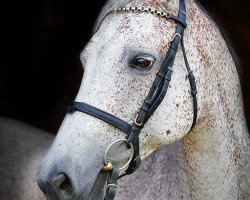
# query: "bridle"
155, 96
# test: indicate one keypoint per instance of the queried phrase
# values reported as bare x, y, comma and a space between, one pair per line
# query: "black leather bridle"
155, 96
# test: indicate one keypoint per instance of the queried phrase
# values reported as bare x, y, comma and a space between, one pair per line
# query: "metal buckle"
176, 35
170, 69
106, 162
112, 185
136, 123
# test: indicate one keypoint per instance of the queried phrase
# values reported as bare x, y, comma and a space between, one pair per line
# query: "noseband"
155, 96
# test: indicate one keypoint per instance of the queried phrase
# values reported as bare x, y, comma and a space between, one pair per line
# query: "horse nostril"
62, 186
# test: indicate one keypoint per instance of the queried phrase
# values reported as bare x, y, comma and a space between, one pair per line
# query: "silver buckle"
136, 123
176, 35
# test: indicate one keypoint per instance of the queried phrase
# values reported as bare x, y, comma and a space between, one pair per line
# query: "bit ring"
106, 161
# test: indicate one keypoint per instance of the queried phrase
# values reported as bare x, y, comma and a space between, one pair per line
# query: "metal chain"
163, 14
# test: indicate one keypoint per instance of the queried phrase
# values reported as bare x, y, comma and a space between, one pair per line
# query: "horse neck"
217, 150
216, 158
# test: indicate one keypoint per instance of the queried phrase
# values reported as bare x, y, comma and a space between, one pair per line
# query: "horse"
196, 134
22, 148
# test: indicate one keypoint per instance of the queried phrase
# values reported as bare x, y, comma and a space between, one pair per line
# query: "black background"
40, 42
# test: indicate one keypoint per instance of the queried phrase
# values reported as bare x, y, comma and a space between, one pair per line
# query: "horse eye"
144, 62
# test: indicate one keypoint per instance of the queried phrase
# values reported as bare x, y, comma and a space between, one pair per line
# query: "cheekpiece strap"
158, 90
112, 184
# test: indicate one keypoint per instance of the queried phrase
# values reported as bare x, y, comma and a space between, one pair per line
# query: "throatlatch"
155, 96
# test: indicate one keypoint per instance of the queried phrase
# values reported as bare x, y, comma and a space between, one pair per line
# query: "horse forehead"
133, 26
126, 32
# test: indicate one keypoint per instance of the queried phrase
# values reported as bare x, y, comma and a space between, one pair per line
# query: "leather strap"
100, 114
192, 83
158, 89
178, 20
112, 184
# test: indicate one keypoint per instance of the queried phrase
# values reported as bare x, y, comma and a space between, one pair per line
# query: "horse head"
132, 43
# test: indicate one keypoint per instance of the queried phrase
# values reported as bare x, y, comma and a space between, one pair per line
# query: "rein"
155, 96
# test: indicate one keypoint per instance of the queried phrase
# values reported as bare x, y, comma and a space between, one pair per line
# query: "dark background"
40, 42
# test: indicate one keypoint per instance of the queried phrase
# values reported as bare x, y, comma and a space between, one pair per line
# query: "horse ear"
109, 5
